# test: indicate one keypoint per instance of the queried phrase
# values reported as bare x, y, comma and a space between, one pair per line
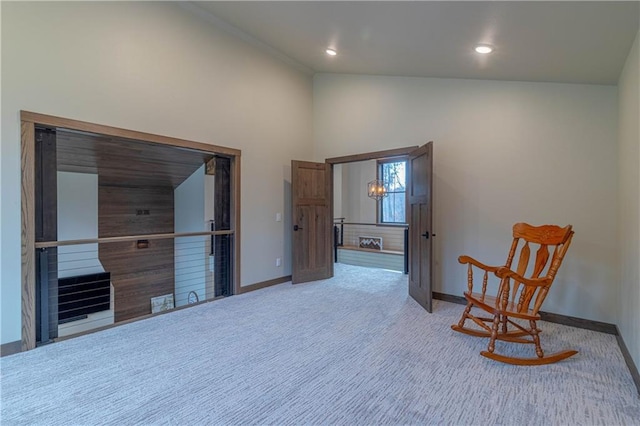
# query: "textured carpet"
352, 350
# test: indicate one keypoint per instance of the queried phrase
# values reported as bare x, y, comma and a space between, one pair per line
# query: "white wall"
77, 220
154, 67
629, 199
504, 152
191, 253
391, 262
356, 204
337, 191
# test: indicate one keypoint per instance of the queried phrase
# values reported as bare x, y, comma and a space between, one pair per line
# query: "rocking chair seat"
491, 304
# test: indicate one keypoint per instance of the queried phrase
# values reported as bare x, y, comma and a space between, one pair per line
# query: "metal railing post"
43, 255
335, 243
406, 250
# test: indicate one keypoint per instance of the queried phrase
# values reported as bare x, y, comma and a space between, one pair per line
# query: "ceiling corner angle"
194, 8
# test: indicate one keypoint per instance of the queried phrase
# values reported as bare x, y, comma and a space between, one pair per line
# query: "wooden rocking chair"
517, 296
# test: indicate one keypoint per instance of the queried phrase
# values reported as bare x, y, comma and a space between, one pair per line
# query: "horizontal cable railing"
45, 244
381, 225
88, 284
371, 237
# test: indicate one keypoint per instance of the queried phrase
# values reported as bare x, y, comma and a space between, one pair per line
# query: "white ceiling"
574, 41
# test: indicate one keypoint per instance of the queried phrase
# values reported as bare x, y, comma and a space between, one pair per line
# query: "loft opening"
119, 224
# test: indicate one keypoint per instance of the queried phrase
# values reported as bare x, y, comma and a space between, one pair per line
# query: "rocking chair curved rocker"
517, 297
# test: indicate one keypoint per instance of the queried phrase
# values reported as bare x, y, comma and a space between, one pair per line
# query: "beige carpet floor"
352, 350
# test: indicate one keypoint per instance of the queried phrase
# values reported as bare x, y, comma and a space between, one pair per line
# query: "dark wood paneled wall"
137, 274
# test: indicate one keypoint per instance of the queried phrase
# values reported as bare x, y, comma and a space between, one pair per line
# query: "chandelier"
377, 189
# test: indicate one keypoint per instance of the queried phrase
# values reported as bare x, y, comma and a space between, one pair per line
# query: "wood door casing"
311, 188
419, 203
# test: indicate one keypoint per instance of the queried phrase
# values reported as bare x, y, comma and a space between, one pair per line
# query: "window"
391, 209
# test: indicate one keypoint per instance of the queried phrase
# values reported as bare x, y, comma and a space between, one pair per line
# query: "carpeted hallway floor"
352, 350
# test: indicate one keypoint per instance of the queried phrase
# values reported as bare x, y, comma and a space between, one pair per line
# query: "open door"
419, 191
311, 199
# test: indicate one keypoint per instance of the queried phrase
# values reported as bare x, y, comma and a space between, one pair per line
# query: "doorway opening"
369, 213
417, 194
370, 224
119, 225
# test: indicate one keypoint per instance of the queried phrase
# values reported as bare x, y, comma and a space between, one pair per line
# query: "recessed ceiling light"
483, 48
331, 52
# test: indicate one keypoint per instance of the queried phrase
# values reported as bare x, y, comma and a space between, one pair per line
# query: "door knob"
296, 227
426, 235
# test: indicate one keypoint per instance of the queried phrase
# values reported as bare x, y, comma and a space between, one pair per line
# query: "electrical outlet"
278, 261
278, 217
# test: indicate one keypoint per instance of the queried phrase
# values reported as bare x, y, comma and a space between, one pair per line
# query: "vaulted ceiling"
572, 41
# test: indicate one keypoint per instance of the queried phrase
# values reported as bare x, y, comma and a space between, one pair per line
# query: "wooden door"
311, 199
419, 196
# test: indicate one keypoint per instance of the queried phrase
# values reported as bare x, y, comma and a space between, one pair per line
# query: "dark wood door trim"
28, 226
235, 219
377, 155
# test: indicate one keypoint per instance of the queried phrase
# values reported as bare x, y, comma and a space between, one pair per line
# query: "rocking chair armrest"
504, 272
471, 260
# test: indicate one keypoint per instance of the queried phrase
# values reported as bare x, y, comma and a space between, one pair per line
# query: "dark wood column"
46, 222
223, 244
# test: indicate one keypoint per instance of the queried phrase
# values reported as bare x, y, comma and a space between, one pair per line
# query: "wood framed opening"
388, 241
230, 163
417, 238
